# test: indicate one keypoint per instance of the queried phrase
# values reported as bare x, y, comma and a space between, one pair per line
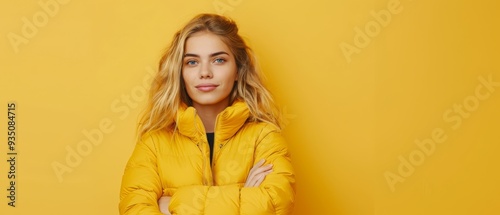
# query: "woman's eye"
191, 62
219, 60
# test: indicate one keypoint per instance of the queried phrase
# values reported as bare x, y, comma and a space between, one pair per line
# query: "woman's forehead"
204, 44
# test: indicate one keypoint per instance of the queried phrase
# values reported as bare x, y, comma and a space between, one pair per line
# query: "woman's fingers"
256, 166
260, 178
258, 173
251, 175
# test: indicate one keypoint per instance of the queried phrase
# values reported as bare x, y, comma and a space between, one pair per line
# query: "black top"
210, 138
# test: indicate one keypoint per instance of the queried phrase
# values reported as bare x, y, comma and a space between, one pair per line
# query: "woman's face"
209, 70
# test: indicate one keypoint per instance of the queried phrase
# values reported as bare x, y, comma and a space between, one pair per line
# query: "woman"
209, 140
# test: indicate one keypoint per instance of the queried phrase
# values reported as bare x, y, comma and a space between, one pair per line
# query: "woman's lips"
206, 87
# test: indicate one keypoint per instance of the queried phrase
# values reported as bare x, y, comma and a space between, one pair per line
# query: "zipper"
203, 165
204, 175
216, 155
203, 154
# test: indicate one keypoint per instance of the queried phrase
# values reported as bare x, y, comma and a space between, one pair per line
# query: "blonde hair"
168, 92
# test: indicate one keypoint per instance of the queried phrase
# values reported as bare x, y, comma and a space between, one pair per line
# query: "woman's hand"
163, 204
258, 173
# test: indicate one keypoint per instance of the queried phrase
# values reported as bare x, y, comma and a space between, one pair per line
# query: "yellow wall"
361, 83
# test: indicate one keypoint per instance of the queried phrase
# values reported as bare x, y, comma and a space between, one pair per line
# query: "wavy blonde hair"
168, 92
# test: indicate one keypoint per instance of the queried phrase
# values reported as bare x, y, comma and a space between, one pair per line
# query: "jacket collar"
228, 122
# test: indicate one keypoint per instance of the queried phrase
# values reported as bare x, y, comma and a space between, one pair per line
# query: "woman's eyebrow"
218, 53
191, 55
211, 55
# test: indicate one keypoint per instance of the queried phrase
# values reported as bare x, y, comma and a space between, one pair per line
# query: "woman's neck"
208, 115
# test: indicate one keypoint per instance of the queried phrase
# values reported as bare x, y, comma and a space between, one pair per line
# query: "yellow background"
349, 122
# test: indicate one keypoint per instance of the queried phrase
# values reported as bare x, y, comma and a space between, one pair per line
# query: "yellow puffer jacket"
177, 164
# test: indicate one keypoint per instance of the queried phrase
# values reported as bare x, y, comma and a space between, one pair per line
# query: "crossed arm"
269, 189
254, 179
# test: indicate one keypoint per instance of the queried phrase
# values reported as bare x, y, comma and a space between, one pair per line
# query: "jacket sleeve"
274, 196
141, 186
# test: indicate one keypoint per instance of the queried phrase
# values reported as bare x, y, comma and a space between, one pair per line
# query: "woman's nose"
205, 71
